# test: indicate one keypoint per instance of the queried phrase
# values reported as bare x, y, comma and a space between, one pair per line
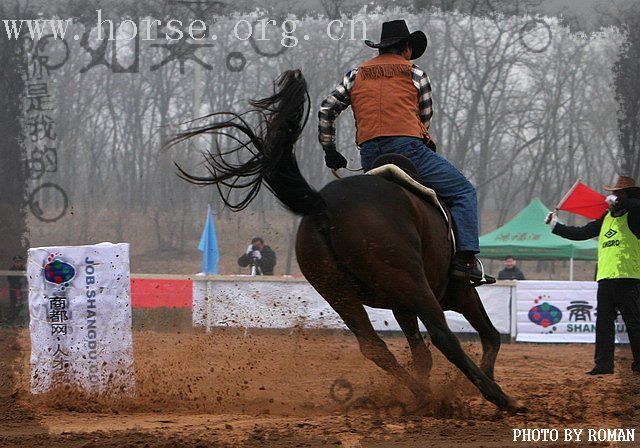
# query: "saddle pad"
394, 174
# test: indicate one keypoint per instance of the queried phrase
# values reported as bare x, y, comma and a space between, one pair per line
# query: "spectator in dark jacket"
260, 257
510, 271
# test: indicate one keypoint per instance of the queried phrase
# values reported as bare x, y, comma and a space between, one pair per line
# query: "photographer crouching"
260, 257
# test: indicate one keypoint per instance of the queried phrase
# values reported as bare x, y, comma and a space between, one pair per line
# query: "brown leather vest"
384, 99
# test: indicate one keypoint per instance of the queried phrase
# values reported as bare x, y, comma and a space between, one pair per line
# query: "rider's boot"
465, 267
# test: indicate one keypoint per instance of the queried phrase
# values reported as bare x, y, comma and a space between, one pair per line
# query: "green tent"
527, 237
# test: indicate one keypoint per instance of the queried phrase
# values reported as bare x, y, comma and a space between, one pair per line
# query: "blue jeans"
439, 174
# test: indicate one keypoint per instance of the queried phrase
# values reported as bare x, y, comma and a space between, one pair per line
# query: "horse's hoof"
516, 407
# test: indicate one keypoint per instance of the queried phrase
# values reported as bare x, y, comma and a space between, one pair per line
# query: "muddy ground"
308, 388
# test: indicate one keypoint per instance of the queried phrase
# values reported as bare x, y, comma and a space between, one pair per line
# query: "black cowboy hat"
397, 31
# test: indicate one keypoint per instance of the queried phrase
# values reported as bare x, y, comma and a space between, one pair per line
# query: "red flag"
583, 201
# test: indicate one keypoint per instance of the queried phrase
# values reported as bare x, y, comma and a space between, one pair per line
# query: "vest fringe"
384, 70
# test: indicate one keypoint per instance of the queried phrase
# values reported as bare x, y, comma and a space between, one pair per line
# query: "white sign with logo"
80, 309
559, 312
288, 304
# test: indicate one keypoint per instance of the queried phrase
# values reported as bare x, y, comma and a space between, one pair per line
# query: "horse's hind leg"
371, 345
443, 338
422, 361
429, 311
466, 301
346, 296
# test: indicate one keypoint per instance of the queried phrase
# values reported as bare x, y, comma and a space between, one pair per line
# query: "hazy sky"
584, 10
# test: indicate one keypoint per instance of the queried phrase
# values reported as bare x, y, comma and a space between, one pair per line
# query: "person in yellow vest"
618, 274
392, 107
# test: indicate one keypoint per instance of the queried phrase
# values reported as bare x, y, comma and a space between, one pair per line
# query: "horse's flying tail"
269, 146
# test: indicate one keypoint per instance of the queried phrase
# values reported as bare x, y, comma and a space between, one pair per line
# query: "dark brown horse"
362, 240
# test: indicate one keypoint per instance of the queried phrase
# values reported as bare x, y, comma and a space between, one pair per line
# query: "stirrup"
484, 280
469, 278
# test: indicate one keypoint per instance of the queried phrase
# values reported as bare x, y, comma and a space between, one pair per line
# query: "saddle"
400, 170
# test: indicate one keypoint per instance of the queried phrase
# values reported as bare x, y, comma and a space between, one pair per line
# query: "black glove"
334, 160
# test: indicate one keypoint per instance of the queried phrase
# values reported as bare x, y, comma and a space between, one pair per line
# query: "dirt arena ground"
294, 389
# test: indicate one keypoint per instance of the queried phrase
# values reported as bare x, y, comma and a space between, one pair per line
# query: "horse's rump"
375, 223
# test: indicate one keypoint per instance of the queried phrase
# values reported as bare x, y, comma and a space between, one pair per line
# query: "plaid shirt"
340, 99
